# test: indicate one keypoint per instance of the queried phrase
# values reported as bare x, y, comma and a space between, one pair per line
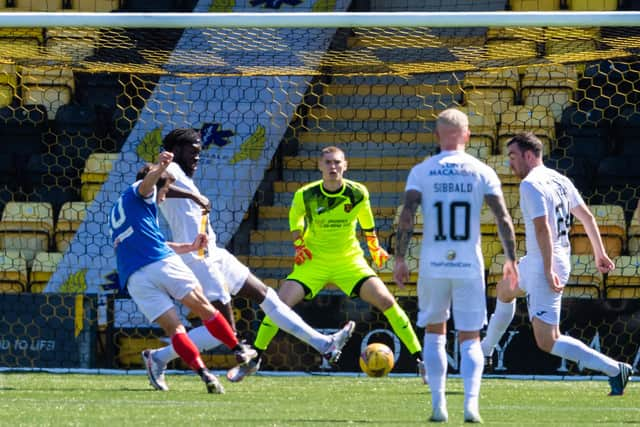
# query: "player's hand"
302, 252
165, 158
400, 272
510, 273
604, 264
200, 242
554, 282
379, 255
204, 203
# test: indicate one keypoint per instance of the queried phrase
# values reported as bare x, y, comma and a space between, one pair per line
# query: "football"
376, 360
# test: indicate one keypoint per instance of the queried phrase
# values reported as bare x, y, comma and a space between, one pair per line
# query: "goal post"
86, 99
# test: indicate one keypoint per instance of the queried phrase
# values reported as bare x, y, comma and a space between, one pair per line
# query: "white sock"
200, 336
289, 321
577, 351
498, 324
471, 364
435, 360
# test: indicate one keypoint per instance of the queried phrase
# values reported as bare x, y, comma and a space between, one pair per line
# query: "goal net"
82, 108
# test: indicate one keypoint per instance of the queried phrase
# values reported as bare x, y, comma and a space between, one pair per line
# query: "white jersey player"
451, 188
220, 273
547, 199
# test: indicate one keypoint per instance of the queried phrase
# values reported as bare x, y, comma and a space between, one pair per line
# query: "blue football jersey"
135, 232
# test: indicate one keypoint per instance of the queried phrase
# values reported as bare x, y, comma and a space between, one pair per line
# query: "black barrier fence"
53, 330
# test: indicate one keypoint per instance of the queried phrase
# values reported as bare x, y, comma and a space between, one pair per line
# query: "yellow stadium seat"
37, 5
95, 173
75, 43
592, 5
43, 266
484, 130
13, 271
534, 5
624, 280
51, 87
26, 226
71, 215
613, 230
633, 241
95, 5
500, 163
563, 47
585, 280
536, 119
492, 91
511, 49
479, 147
418, 220
551, 87
8, 82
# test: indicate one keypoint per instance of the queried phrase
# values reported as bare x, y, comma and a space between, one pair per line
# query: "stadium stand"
624, 280
69, 219
27, 227
534, 5
613, 230
13, 271
43, 266
95, 173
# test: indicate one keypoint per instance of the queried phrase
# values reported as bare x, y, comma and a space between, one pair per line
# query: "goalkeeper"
323, 219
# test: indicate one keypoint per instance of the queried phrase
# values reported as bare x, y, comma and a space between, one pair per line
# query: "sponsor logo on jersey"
348, 207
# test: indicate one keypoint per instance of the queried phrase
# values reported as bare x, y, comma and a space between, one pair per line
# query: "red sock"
187, 350
220, 328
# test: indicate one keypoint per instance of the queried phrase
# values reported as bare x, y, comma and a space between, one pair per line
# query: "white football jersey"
184, 216
545, 192
453, 185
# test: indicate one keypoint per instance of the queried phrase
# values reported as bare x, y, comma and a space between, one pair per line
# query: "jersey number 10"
458, 232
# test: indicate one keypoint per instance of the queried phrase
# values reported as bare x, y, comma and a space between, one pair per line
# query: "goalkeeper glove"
302, 252
378, 254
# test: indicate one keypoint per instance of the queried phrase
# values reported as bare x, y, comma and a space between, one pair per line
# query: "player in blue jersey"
155, 275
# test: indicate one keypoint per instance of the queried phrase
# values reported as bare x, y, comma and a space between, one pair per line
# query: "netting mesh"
80, 108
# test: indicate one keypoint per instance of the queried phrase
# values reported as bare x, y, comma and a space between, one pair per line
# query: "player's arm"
296, 225
603, 262
200, 242
146, 187
504, 223
179, 193
412, 199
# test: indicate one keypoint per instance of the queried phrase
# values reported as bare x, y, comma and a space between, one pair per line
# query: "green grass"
41, 399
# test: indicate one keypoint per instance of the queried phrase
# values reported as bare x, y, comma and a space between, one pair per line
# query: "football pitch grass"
43, 399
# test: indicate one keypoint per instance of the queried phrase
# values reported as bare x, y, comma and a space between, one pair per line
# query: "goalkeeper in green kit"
322, 220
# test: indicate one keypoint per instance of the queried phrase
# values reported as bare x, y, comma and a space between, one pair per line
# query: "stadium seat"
37, 5
500, 49
48, 86
18, 43
633, 234
13, 271
418, 220
624, 280
74, 43
484, 131
95, 173
592, 5
95, 5
534, 5
492, 91
8, 83
26, 226
71, 215
585, 280
551, 87
536, 119
43, 266
611, 221
500, 163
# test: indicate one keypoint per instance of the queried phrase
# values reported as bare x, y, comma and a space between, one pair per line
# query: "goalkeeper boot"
338, 341
619, 382
155, 371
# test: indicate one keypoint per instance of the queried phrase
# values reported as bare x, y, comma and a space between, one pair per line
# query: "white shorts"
155, 286
542, 302
220, 274
467, 296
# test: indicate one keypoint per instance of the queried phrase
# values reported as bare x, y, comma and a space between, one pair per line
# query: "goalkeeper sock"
577, 351
200, 336
402, 327
498, 324
284, 317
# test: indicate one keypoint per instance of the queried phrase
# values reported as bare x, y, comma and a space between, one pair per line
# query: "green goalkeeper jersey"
329, 219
